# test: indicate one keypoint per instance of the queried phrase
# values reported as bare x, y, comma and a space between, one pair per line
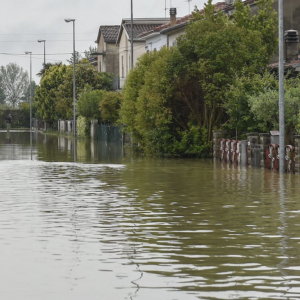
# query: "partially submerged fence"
259, 150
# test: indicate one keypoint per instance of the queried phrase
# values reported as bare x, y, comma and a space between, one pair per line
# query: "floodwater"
103, 226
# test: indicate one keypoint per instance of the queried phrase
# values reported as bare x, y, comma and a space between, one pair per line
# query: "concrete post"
243, 153
253, 140
217, 136
265, 141
94, 124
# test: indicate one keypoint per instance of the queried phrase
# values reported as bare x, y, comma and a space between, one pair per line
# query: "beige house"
124, 42
107, 51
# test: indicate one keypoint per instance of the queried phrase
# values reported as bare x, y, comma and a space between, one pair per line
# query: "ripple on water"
102, 231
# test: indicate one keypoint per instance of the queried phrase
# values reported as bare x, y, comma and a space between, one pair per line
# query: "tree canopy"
54, 96
175, 97
14, 83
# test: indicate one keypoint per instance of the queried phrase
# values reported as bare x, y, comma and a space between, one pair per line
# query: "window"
122, 66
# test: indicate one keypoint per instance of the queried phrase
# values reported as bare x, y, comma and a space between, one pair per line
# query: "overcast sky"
22, 23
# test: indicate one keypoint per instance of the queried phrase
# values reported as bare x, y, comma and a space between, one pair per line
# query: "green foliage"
175, 97
88, 104
109, 106
194, 143
46, 93
264, 106
241, 118
54, 96
100, 104
82, 126
134, 82
20, 116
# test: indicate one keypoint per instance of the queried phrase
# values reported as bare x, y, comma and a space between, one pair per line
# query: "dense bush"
174, 98
264, 107
101, 105
20, 116
109, 107
88, 104
54, 95
83, 126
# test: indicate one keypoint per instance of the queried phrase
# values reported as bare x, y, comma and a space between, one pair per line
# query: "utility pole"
74, 78
281, 89
30, 87
131, 8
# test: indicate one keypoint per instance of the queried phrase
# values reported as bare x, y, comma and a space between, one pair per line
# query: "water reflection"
142, 229
34, 145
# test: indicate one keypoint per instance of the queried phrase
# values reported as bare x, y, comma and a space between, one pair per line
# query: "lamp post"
74, 79
281, 88
30, 88
43, 41
131, 9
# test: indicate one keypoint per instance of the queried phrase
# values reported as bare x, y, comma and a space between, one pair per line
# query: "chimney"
173, 13
291, 38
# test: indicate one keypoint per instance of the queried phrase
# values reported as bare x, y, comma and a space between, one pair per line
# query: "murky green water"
109, 227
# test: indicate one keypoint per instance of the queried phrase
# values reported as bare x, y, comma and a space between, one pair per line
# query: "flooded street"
112, 227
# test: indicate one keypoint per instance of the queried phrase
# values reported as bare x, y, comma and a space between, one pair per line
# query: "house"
124, 42
107, 51
166, 34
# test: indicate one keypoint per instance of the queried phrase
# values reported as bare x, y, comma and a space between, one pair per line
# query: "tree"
86, 76
46, 92
33, 87
46, 67
88, 103
78, 58
88, 53
109, 106
14, 83
240, 116
264, 105
175, 97
101, 105
54, 96
2, 95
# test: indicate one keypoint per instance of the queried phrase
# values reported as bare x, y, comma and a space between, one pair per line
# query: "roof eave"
173, 28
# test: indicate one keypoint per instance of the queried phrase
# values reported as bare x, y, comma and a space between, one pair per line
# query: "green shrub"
88, 104
82, 126
109, 107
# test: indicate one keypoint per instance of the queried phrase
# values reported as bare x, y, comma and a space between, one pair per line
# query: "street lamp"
74, 80
281, 88
131, 21
43, 41
30, 88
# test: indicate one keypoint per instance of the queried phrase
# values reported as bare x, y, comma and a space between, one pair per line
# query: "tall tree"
88, 53
174, 98
14, 83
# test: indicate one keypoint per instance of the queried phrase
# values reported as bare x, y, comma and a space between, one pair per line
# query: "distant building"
107, 51
124, 42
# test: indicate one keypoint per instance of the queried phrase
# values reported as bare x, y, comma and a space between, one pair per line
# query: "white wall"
123, 58
155, 42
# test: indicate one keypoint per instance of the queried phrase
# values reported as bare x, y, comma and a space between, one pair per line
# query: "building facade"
124, 42
107, 51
